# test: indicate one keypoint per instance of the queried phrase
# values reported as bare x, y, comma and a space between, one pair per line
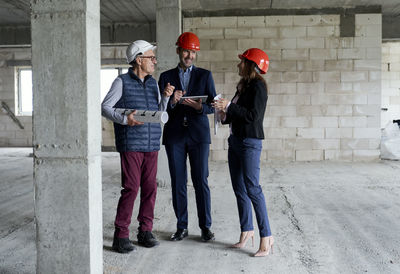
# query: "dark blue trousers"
244, 167
198, 158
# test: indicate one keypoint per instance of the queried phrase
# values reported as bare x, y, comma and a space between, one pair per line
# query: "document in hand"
217, 117
146, 116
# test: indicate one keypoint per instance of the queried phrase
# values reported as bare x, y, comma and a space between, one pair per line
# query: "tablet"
195, 98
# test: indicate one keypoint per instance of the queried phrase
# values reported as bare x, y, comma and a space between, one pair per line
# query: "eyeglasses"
152, 58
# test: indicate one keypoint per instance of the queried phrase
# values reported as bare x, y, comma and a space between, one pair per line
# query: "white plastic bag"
390, 145
391, 131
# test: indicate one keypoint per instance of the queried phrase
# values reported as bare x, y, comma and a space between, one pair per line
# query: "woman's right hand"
220, 104
222, 115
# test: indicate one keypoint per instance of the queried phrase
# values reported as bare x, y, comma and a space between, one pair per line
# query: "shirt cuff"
125, 121
223, 118
227, 106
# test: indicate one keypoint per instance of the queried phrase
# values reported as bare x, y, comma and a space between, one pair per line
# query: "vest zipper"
148, 124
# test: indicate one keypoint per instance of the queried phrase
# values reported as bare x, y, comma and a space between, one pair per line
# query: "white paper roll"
146, 116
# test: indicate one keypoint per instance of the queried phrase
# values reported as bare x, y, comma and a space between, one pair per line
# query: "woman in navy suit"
245, 115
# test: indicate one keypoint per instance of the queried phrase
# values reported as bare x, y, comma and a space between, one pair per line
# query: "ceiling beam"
269, 12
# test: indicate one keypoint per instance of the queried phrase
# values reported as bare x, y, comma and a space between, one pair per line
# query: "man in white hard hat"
137, 143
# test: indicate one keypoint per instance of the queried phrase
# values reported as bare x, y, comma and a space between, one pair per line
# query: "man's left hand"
168, 90
197, 105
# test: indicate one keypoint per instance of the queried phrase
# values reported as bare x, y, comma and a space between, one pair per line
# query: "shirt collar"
134, 76
188, 69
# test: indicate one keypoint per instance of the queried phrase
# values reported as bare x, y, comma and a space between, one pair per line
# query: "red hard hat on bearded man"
259, 57
188, 40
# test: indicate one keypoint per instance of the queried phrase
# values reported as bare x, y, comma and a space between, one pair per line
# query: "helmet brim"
188, 48
241, 57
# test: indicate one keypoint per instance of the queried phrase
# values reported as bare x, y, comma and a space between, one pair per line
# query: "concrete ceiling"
14, 12
124, 20
17, 12
137, 11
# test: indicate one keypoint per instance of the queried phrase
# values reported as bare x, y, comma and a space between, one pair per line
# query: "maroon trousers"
138, 169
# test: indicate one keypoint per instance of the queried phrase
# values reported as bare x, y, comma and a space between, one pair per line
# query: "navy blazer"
201, 83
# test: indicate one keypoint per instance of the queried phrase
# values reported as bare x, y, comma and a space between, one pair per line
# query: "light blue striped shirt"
184, 76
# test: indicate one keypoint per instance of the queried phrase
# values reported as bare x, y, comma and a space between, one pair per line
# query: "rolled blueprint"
146, 116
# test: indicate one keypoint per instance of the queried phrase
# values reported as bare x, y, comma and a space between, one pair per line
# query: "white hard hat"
136, 48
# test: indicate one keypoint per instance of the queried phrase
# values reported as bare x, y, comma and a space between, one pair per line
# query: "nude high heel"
266, 246
244, 237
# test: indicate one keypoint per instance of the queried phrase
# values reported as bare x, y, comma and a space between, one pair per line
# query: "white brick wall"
295, 54
310, 43
338, 133
324, 90
326, 143
223, 22
313, 65
324, 122
296, 122
322, 31
390, 82
278, 21
311, 133
352, 122
298, 144
264, 33
351, 53
282, 43
251, 21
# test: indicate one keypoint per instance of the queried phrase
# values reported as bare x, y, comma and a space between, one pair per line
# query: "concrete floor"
326, 218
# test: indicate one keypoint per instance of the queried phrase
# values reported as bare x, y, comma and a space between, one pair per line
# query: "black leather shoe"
147, 239
179, 234
122, 245
207, 235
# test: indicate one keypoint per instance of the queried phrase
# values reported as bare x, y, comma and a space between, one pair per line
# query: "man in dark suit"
187, 133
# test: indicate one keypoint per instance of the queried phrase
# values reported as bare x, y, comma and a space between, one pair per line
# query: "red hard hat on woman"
188, 40
258, 56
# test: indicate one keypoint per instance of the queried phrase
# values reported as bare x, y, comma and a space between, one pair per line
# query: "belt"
185, 122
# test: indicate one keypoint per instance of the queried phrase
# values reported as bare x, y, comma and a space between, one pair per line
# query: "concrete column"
168, 28
66, 135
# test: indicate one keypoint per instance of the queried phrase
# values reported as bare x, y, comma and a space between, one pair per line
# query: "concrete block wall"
10, 133
390, 82
324, 90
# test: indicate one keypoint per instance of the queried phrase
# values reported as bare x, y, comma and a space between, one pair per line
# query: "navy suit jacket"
201, 83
